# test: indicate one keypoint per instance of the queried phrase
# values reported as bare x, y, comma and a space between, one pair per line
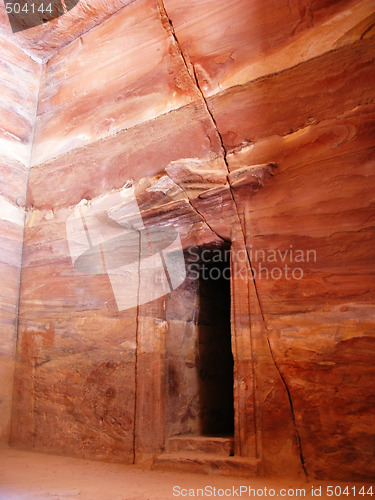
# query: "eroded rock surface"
18, 86
237, 124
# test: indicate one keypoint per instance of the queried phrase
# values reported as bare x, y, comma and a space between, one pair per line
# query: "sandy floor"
25, 475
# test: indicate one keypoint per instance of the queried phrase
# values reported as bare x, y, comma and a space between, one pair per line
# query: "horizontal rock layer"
113, 78
259, 39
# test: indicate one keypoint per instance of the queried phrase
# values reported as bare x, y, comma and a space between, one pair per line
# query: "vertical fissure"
298, 437
194, 76
135, 413
190, 68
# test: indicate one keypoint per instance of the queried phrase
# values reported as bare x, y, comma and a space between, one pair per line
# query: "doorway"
214, 349
199, 360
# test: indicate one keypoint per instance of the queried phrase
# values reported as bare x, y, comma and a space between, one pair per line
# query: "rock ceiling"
42, 41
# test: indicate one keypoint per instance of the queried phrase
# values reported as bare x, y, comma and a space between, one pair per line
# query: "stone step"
205, 463
222, 446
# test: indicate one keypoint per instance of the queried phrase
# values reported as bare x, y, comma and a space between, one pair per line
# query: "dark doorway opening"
215, 359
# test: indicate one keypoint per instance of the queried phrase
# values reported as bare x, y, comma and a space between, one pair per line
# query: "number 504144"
31, 8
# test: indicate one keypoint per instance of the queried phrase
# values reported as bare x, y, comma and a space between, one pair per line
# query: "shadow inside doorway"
215, 359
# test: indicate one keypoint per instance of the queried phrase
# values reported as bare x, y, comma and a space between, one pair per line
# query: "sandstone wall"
176, 97
19, 87
293, 84
115, 105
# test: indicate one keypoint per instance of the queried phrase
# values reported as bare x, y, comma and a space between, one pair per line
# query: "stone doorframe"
264, 425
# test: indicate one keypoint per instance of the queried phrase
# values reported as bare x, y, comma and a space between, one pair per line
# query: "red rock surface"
19, 82
236, 123
18, 86
259, 39
44, 40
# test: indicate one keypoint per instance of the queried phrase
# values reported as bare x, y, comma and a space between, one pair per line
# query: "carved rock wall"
176, 97
301, 96
79, 356
19, 86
